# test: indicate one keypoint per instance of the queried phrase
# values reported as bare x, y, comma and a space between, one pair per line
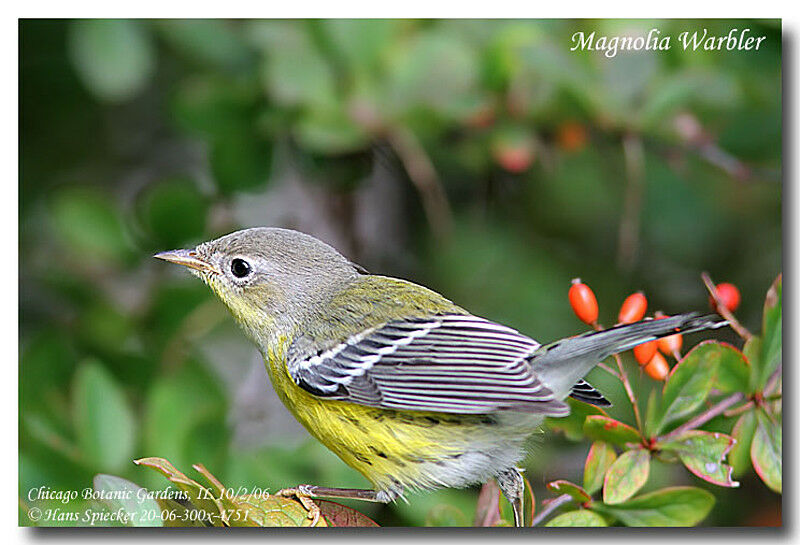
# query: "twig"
626, 383
738, 410
629, 225
723, 310
773, 379
704, 417
551, 506
608, 369
623, 377
718, 157
423, 175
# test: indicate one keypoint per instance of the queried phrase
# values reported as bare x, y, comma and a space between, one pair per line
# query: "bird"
408, 388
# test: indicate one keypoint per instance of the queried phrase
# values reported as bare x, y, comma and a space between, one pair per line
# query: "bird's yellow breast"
393, 449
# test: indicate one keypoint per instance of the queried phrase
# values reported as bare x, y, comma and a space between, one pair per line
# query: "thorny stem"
723, 310
550, 507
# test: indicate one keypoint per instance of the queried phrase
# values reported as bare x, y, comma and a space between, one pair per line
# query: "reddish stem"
704, 417
623, 377
723, 310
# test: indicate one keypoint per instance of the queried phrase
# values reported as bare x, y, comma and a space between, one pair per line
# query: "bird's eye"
240, 268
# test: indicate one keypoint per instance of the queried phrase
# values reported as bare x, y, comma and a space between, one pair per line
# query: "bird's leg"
314, 512
312, 491
304, 493
513, 487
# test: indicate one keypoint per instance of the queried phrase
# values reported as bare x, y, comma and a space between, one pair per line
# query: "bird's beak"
187, 258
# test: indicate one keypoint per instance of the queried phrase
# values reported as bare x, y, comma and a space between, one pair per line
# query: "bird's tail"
563, 363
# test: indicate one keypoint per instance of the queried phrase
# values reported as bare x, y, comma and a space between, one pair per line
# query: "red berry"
645, 352
583, 302
515, 159
728, 294
672, 344
513, 147
482, 117
658, 368
571, 136
633, 308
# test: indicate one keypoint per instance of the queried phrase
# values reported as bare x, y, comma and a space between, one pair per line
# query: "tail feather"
563, 363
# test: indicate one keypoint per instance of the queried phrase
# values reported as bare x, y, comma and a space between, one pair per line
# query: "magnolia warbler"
403, 385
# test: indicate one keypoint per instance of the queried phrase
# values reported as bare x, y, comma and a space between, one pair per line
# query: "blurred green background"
483, 159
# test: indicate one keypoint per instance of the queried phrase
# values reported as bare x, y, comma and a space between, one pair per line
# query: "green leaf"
214, 505
185, 413
117, 493
294, 72
604, 428
689, 383
743, 431
437, 71
330, 131
114, 58
703, 453
766, 452
651, 415
174, 212
104, 422
626, 476
269, 510
752, 351
572, 424
340, 515
676, 506
202, 497
581, 518
565, 487
599, 459
733, 374
214, 106
361, 42
241, 162
447, 516
89, 225
208, 42
772, 342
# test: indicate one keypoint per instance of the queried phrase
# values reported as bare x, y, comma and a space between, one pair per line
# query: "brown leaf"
336, 514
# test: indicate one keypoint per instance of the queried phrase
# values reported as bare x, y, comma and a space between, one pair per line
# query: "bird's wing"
583, 391
451, 363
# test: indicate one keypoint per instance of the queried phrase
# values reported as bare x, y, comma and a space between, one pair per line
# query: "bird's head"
266, 274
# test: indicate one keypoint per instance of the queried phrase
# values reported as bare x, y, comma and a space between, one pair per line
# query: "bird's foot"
301, 493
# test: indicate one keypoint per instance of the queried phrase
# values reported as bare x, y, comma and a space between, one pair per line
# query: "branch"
551, 506
723, 310
704, 417
623, 377
772, 382
423, 175
609, 370
628, 390
631, 215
